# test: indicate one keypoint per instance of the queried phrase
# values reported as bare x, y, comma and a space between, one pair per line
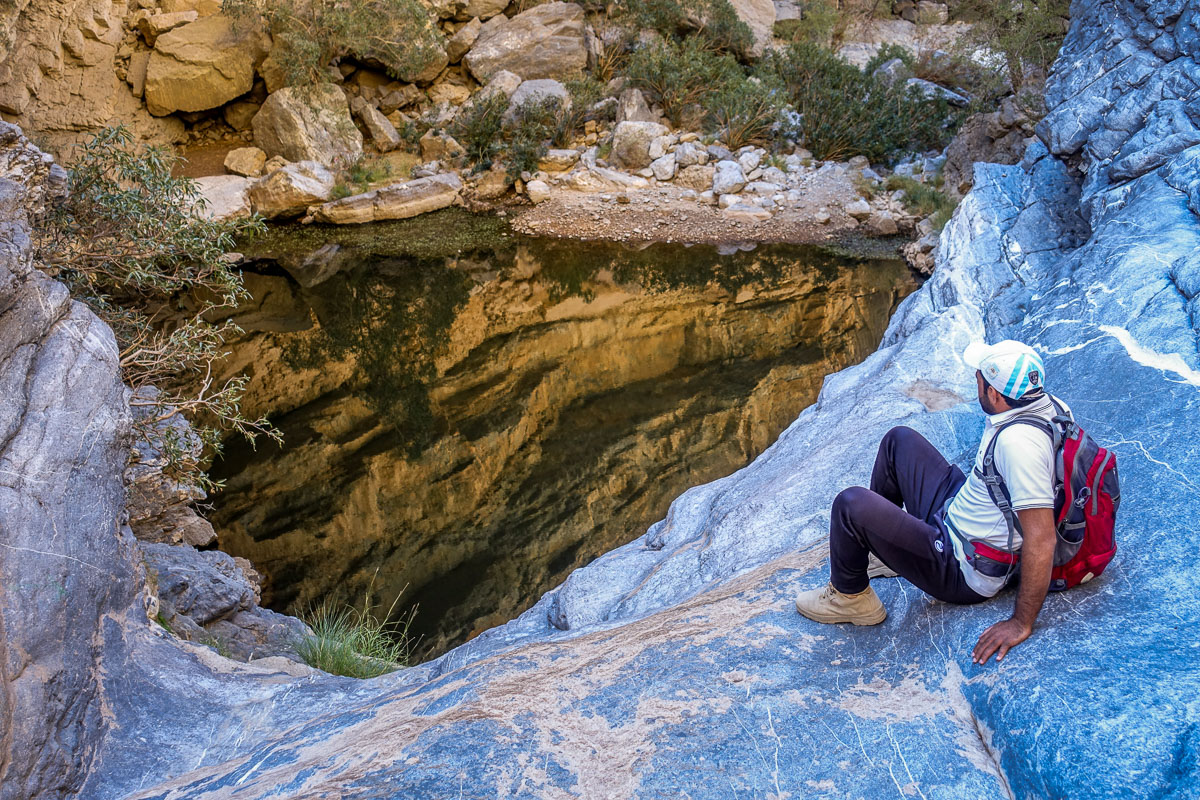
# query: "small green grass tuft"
923, 199
354, 642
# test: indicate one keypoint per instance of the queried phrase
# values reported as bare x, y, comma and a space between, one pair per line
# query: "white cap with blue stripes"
1012, 368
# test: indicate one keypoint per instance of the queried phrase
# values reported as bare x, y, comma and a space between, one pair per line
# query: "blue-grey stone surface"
675, 666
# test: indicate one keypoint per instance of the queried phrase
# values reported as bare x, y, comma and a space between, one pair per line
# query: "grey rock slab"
225, 196
460, 43
308, 124
728, 178
398, 201
66, 563
290, 190
547, 41
541, 90
633, 143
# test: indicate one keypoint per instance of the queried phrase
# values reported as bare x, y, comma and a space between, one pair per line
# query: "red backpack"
1086, 497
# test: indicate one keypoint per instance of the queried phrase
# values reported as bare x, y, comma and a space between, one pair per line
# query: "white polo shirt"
1025, 459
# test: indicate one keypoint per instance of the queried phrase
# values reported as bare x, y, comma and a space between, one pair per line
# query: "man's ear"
997, 399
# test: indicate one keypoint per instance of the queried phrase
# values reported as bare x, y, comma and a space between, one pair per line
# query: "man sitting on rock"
870, 535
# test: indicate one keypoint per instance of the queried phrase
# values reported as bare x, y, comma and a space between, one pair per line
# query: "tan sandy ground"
663, 213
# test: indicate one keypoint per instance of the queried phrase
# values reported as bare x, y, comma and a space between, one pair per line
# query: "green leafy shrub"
923, 199
523, 139
745, 113
354, 642
570, 119
131, 242
886, 53
478, 128
1027, 33
529, 132
309, 36
713, 24
816, 25
846, 112
358, 176
683, 77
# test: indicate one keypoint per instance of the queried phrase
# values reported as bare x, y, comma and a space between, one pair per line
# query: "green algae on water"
436, 235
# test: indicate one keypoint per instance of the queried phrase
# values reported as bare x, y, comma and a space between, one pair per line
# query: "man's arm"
1037, 561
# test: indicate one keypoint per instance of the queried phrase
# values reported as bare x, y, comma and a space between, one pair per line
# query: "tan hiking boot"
878, 569
830, 605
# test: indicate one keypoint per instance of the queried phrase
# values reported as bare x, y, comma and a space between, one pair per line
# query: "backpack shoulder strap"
994, 481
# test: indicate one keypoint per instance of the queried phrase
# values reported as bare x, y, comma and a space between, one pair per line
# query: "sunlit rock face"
475, 427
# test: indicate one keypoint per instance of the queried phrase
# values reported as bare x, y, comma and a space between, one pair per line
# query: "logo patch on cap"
1034, 378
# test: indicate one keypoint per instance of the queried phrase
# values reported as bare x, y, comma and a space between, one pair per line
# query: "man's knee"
899, 436
848, 500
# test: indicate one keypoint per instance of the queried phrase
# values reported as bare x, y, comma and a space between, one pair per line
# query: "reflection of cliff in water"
476, 426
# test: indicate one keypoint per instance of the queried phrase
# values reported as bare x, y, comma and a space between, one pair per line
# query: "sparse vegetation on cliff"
844, 111
354, 642
309, 36
132, 243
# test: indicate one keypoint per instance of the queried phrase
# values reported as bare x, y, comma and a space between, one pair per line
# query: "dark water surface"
469, 415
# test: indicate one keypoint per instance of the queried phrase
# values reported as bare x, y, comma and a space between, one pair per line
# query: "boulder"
728, 178
202, 65
225, 196
493, 184
207, 596
690, 153
891, 71
759, 16
290, 190
151, 26
205, 8
502, 82
632, 143
547, 41
931, 13
462, 40
663, 167
632, 107
240, 114
882, 223
308, 124
382, 132
558, 160
482, 9
398, 201
440, 147
538, 191
932, 90
536, 91
696, 177
860, 209
246, 161
395, 96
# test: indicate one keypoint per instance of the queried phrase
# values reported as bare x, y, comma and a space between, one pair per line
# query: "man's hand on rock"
999, 639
